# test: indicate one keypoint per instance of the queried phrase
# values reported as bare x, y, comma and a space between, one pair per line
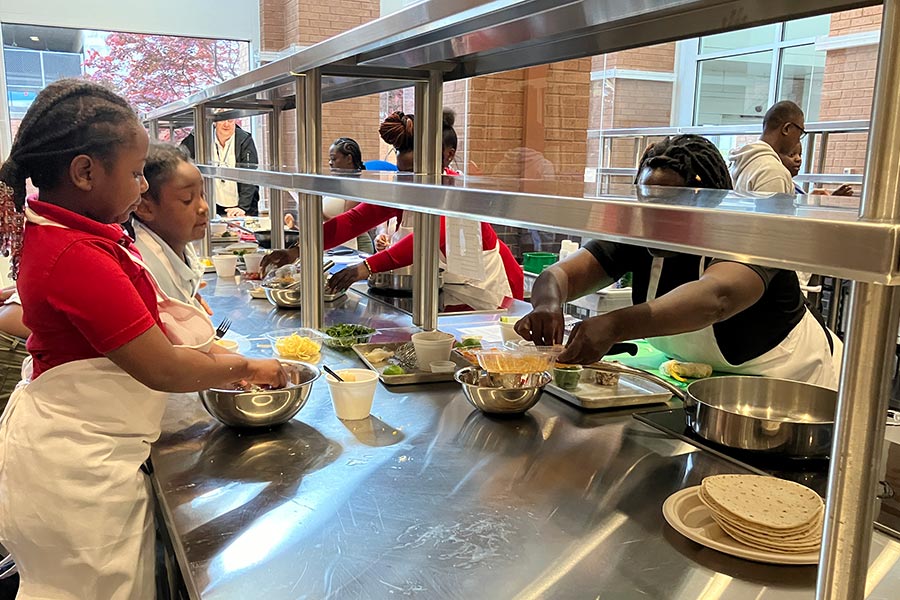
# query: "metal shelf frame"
444, 40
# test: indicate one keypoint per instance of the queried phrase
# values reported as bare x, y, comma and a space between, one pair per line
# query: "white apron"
801, 356
486, 294
75, 508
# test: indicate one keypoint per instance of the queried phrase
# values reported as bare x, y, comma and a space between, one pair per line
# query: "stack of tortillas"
765, 513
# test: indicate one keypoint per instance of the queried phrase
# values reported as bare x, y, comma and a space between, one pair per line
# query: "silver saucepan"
759, 414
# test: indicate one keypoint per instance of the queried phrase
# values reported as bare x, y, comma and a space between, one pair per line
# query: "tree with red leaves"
153, 70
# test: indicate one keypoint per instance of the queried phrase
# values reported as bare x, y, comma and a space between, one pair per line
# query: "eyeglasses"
802, 131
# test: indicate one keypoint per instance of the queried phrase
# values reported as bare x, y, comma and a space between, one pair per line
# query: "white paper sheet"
464, 251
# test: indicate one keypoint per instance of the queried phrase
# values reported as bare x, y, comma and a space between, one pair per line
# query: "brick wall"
305, 22
617, 102
847, 90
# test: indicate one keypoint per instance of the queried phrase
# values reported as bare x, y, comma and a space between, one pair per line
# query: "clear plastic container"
345, 342
282, 343
517, 358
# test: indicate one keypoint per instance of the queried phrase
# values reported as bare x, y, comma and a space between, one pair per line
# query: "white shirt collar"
179, 277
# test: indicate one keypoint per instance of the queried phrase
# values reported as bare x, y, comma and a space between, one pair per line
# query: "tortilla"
764, 504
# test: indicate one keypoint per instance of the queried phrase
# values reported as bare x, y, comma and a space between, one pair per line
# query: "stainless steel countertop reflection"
428, 498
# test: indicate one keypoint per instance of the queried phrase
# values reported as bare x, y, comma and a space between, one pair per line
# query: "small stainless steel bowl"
266, 408
283, 297
501, 394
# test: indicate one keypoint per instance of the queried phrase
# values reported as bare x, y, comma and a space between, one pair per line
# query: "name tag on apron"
464, 248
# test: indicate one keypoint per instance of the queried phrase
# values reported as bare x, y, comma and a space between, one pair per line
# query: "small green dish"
567, 378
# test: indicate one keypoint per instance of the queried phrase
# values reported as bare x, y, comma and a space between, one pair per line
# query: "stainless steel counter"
428, 498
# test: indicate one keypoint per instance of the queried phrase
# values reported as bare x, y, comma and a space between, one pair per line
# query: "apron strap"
821, 321
655, 272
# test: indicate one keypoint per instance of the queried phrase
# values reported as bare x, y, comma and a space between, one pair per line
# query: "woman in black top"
737, 317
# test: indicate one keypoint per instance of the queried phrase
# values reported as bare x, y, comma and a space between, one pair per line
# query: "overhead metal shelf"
777, 231
464, 38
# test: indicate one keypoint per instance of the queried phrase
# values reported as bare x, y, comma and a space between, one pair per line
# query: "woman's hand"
347, 276
234, 211
544, 326
382, 242
278, 258
843, 190
589, 342
267, 371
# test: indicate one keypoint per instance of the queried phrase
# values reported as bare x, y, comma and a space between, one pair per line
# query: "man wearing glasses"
757, 167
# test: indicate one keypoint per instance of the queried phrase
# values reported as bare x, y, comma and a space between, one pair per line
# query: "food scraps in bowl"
344, 335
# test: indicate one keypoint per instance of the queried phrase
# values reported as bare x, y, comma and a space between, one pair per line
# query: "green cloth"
648, 358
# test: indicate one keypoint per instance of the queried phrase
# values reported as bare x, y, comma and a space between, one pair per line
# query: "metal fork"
223, 328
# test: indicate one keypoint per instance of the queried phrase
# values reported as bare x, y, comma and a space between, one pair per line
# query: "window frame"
688, 57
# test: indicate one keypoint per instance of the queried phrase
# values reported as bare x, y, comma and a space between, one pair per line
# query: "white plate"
689, 516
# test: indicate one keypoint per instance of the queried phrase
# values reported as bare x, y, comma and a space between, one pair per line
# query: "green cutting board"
648, 358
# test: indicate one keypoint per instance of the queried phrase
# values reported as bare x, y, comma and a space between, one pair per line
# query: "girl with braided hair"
736, 317
107, 344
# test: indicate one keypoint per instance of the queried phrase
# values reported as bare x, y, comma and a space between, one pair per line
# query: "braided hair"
69, 117
349, 147
397, 130
693, 157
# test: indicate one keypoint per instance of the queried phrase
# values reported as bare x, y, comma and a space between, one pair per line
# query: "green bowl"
567, 378
535, 262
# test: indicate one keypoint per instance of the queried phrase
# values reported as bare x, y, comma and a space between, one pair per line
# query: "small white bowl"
443, 366
230, 345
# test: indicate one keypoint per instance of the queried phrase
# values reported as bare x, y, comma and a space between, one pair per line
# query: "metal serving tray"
630, 391
408, 378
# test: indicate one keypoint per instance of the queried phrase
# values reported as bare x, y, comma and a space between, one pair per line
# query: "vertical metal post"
201, 156
808, 159
428, 148
153, 126
868, 354
309, 158
276, 196
820, 166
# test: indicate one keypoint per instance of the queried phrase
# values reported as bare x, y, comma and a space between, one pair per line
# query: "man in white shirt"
757, 167
232, 146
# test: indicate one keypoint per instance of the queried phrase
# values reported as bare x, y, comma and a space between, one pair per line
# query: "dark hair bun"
397, 130
449, 117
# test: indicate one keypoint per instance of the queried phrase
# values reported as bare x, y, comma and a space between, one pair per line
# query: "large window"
740, 74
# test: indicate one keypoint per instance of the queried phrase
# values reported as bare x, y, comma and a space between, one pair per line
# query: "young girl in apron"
107, 344
738, 318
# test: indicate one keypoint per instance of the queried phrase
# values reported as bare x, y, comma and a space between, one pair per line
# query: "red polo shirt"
82, 295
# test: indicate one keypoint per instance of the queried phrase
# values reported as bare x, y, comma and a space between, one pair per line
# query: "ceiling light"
35, 38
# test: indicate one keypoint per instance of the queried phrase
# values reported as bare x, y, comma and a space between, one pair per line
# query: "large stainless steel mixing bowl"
266, 408
496, 396
283, 297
